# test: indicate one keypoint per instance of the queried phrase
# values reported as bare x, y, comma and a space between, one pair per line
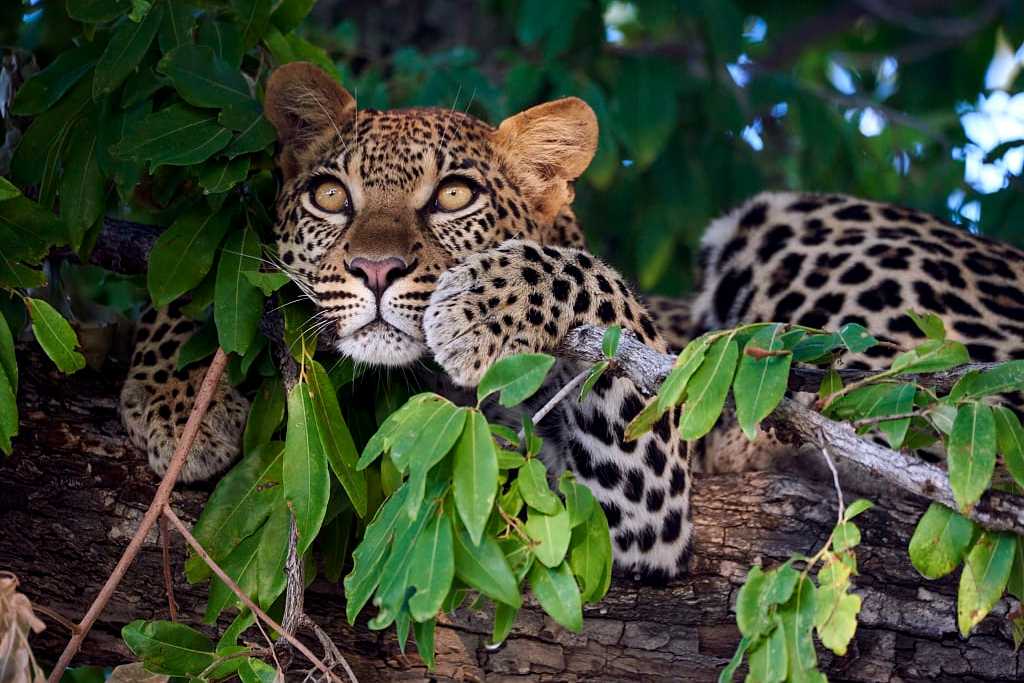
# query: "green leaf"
424, 632
751, 617
767, 658
254, 670
432, 568
856, 508
760, 383
36, 160
45, 88
729, 672
272, 555
475, 475
8, 190
254, 132
27, 231
371, 553
933, 355
253, 17
579, 501
307, 484
242, 501
483, 566
8, 361
1009, 438
268, 283
220, 175
183, 254
1015, 584
845, 536
985, 575
337, 440
1008, 376
237, 304
516, 377
504, 620
815, 347
707, 389
595, 374
645, 108
836, 610
176, 136
290, 13
96, 11
971, 456
124, 52
533, 486
940, 541
551, 532
930, 324
439, 434
557, 592
265, 414
55, 335
590, 556
610, 341
796, 619
671, 390
177, 27
8, 411
856, 338
169, 648
898, 401
83, 188
202, 78
224, 37
242, 566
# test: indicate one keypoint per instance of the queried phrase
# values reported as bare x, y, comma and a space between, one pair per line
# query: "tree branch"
799, 425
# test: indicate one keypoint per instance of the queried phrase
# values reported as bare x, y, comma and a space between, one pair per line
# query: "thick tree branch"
797, 424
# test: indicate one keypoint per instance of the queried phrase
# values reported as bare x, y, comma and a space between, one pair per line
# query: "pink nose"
378, 275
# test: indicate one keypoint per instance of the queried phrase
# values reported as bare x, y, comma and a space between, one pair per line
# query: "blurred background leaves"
701, 103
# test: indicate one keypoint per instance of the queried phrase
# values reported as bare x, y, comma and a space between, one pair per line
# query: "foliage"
779, 610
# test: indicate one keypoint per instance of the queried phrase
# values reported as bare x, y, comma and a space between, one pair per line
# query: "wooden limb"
163, 493
165, 547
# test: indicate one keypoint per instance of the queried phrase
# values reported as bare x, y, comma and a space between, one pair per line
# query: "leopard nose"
378, 275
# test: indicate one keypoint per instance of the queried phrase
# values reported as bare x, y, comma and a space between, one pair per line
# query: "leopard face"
376, 205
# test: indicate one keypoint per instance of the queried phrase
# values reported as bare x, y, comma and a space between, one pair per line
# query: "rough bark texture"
73, 491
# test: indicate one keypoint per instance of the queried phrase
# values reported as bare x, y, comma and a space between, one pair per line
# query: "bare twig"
555, 400
794, 423
163, 494
835, 481
246, 600
172, 606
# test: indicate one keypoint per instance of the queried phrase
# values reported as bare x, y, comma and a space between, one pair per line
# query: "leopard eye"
329, 195
454, 194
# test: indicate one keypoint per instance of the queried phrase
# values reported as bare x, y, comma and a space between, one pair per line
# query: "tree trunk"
73, 491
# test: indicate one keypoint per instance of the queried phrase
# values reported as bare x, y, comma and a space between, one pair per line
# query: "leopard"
427, 233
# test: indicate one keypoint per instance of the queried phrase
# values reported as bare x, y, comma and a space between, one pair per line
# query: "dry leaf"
135, 673
17, 665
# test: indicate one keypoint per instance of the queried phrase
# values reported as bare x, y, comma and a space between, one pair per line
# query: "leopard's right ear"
308, 108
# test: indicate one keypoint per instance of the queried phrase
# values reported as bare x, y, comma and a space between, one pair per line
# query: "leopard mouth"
379, 342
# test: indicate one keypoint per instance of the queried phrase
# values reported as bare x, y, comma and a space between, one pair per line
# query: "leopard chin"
380, 343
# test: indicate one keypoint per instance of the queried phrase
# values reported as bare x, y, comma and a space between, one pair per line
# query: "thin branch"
797, 424
244, 597
556, 399
835, 482
172, 606
163, 494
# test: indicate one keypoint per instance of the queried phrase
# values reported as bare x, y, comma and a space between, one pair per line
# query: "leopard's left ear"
549, 146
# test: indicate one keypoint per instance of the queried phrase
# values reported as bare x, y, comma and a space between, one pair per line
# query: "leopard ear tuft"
307, 107
549, 146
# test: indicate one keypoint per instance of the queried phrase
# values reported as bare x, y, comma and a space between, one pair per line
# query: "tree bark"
74, 490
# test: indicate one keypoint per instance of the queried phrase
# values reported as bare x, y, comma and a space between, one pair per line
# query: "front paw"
490, 306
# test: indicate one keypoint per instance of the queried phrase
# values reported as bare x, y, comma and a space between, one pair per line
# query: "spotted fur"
827, 260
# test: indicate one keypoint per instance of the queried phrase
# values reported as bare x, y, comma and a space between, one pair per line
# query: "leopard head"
375, 205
